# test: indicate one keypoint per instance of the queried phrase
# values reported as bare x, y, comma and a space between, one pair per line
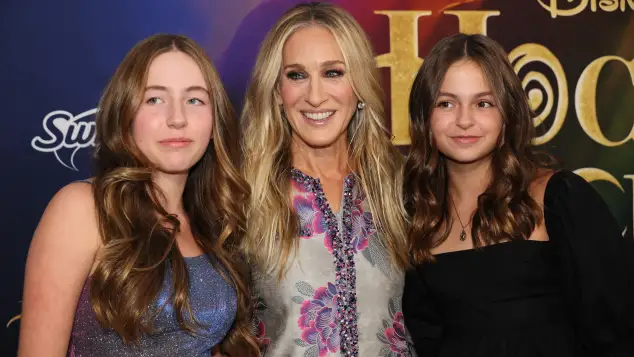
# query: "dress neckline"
492, 247
547, 195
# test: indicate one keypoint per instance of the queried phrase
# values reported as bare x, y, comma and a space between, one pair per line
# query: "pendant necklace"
463, 234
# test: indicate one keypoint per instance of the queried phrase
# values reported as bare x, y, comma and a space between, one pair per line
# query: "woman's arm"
59, 261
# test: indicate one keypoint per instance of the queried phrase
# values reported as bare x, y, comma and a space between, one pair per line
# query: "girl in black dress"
510, 258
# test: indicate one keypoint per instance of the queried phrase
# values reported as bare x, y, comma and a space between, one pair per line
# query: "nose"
176, 117
465, 120
316, 93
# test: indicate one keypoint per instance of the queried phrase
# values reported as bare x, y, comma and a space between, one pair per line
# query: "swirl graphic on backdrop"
546, 101
66, 131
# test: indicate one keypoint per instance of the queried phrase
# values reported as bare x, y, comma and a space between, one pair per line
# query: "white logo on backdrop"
66, 131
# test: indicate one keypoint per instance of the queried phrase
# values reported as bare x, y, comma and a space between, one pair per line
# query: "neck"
468, 181
327, 162
172, 187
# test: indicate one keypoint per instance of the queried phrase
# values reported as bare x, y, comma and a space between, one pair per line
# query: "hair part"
137, 233
271, 239
505, 210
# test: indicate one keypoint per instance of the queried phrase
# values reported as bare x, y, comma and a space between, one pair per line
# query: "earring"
360, 105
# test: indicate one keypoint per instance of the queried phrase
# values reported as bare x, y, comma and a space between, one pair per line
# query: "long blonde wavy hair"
273, 225
137, 233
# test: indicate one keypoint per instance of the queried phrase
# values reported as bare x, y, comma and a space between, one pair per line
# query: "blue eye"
334, 73
195, 101
295, 75
154, 100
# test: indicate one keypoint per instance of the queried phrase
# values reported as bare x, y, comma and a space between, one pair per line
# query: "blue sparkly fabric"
213, 302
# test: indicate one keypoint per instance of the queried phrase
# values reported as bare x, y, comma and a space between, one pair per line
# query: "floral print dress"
340, 297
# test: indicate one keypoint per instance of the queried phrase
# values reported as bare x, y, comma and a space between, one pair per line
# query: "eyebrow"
196, 88
324, 64
477, 95
188, 89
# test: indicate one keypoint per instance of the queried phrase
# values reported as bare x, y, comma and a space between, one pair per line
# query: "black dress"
570, 296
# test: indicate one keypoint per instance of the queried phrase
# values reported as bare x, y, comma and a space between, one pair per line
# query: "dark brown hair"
137, 233
505, 211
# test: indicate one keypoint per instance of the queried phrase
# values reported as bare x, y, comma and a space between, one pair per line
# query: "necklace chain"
463, 234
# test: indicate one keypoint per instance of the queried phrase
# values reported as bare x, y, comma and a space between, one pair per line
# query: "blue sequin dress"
213, 302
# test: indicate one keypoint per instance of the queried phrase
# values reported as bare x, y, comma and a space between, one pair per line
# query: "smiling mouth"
465, 139
319, 116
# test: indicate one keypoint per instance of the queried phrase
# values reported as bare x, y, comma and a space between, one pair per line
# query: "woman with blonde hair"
141, 260
325, 220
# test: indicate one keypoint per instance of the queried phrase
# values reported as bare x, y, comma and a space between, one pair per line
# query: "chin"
468, 159
321, 141
175, 169
320, 144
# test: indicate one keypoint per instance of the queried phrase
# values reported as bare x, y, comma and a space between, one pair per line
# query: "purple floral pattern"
362, 224
343, 251
394, 335
311, 220
318, 320
323, 314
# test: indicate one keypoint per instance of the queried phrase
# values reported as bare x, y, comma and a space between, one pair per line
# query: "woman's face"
315, 90
173, 125
466, 122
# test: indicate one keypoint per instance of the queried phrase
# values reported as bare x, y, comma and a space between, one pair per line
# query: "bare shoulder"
538, 186
60, 258
72, 199
71, 214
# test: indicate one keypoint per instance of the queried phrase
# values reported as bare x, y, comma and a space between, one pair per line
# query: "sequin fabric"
343, 254
213, 302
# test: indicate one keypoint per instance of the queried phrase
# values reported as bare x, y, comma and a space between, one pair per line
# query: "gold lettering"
403, 62
531, 52
555, 11
586, 100
605, 5
609, 5
472, 22
592, 174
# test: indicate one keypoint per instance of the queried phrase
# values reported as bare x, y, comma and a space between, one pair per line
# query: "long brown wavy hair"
271, 239
137, 233
505, 211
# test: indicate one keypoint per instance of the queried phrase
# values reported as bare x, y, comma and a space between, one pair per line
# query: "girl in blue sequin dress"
140, 260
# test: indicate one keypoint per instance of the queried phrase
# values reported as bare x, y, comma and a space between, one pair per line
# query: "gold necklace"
463, 234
